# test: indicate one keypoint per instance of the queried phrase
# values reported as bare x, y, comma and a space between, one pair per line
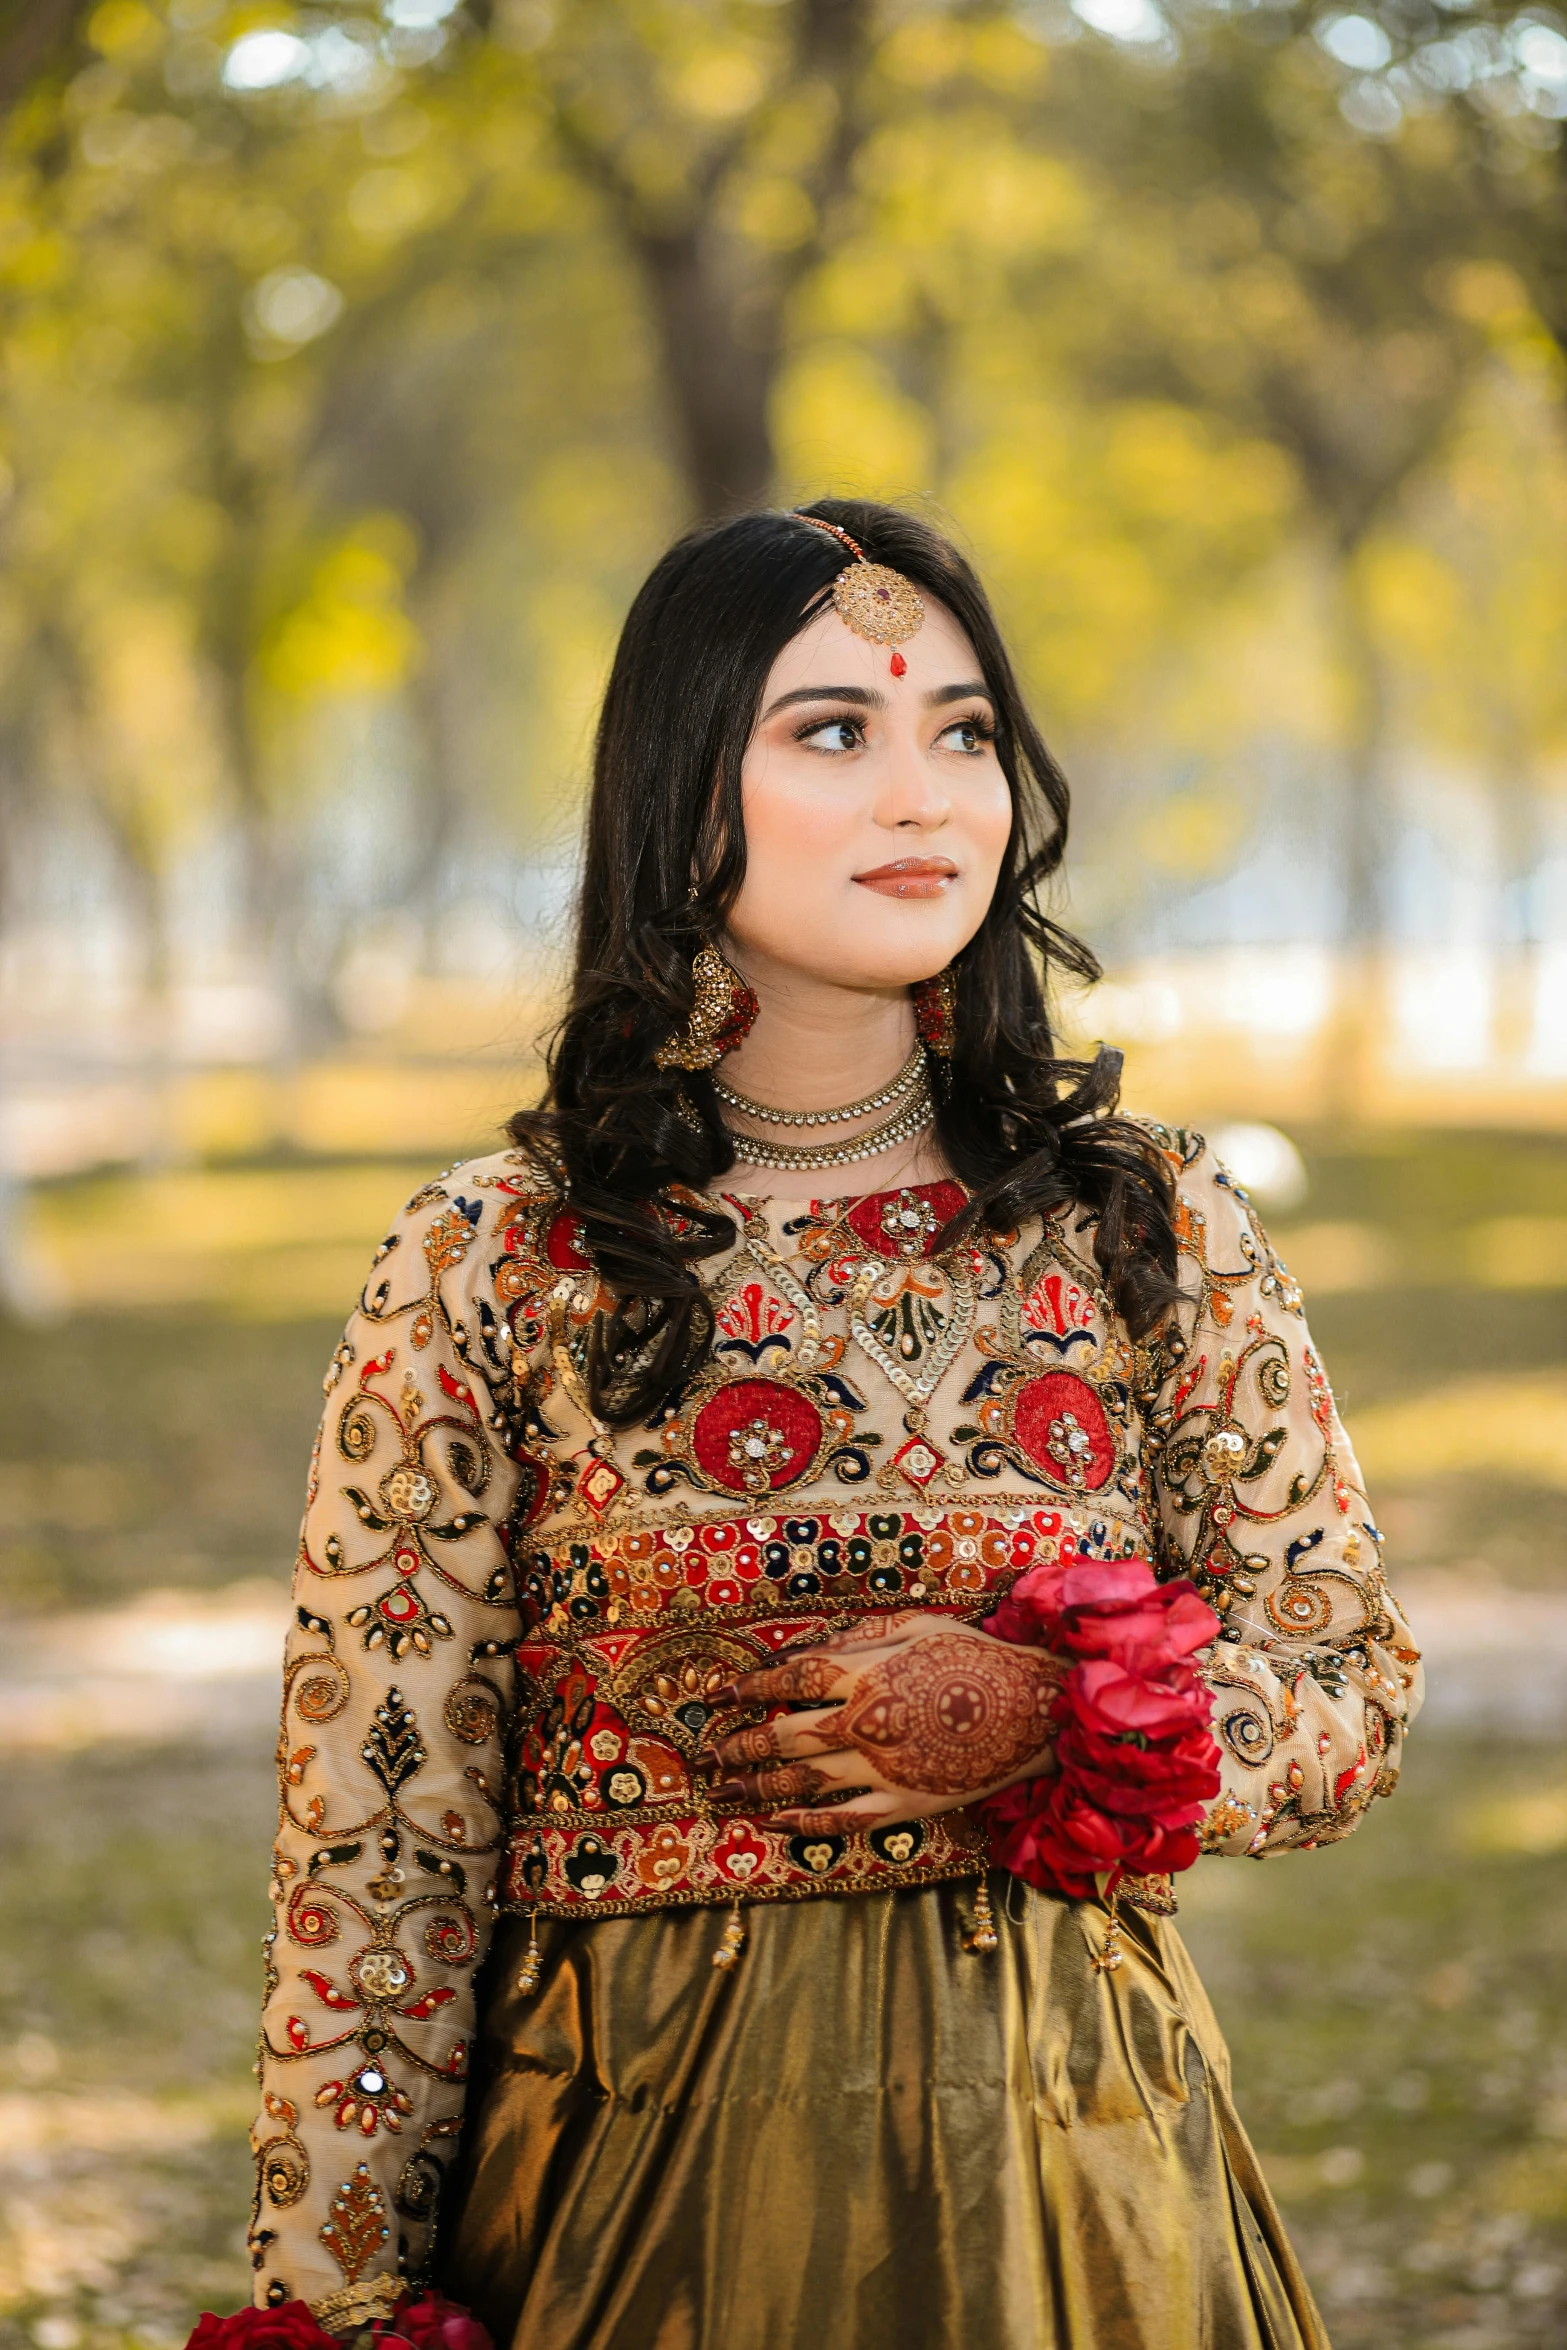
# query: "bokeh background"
355, 361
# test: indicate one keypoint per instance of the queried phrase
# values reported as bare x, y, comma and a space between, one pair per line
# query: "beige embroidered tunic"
510, 1622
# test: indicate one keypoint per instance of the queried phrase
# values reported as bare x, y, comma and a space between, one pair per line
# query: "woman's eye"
966, 734
835, 734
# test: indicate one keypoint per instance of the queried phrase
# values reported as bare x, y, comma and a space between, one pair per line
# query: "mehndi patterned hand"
919, 1715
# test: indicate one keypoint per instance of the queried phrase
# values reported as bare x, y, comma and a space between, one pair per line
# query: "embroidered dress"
512, 1627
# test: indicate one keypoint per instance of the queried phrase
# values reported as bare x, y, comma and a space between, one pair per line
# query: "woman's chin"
875, 956
889, 978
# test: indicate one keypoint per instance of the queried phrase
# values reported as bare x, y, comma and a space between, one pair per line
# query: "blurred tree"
36, 37
1495, 73
1318, 316
356, 360
723, 142
1485, 92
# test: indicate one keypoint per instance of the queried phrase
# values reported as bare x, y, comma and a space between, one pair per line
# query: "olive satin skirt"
863, 2137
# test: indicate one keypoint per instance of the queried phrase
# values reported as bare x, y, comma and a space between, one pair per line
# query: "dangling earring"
721, 1015
936, 1012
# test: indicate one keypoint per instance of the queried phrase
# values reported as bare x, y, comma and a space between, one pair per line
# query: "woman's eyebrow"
866, 698
862, 696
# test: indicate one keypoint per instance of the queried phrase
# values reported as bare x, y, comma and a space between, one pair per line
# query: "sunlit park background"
355, 361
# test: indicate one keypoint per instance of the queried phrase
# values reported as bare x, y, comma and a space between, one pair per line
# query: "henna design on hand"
877, 1631
755, 1745
787, 1783
950, 1714
803, 1676
834, 1822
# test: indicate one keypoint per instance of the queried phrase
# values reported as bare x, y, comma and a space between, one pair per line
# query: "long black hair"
1029, 1132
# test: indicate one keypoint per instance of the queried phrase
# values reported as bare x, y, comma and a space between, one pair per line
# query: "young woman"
802, 1547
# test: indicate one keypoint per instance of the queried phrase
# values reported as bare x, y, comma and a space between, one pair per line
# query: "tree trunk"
720, 346
1357, 1029
34, 34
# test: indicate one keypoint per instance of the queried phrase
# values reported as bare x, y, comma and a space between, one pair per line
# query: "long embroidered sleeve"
397, 1682
1315, 1675
878, 1423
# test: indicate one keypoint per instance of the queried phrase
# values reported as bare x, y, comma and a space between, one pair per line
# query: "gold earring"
722, 1013
936, 1012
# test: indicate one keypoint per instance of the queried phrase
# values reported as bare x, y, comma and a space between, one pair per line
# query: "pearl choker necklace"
911, 1119
910, 1077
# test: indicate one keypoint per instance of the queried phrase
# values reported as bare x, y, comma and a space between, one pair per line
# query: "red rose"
1163, 1623
1034, 1840
1027, 1615
434, 2323
1106, 1583
1135, 1753
1128, 1704
290, 2326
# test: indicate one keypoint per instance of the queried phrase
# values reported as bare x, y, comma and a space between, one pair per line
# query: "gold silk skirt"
863, 2137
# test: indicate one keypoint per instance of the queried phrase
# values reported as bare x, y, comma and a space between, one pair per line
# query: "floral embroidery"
514, 1627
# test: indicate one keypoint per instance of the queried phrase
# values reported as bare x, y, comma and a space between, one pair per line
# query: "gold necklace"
909, 1076
910, 1119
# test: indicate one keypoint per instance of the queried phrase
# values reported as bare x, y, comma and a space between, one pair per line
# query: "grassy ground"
131, 1890
1396, 2009
1397, 2006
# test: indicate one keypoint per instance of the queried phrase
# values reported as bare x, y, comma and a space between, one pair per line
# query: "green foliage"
357, 361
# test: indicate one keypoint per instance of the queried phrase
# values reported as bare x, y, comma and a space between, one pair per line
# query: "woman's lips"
909, 877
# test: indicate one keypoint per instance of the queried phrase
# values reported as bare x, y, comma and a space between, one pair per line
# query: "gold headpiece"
878, 604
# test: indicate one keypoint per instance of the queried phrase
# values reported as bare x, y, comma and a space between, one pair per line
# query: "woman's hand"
916, 1715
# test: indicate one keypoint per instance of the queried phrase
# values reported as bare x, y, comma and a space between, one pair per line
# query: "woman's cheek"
990, 820
788, 828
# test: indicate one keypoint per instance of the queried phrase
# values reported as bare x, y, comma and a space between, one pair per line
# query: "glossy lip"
910, 877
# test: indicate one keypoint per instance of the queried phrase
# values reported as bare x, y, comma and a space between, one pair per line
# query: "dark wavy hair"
1029, 1132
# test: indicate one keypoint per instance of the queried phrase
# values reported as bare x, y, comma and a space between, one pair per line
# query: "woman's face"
876, 812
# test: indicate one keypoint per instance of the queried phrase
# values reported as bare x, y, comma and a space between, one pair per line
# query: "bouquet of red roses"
1137, 1760
429, 2322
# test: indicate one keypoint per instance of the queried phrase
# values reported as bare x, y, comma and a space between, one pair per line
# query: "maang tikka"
877, 603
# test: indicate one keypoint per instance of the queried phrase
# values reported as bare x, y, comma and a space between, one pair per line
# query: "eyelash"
983, 728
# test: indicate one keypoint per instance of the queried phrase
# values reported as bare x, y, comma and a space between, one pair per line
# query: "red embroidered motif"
599, 1483
757, 1435
1054, 1303
1060, 1423
739, 1853
753, 1313
563, 1244
905, 1223
918, 1461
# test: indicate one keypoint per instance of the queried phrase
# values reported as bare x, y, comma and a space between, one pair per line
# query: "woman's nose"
911, 793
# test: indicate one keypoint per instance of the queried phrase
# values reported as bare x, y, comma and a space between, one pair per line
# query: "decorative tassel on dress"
727, 1955
533, 1965
1109, 1954
982, 1933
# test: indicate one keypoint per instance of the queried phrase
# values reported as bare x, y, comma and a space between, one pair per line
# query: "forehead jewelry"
878, 604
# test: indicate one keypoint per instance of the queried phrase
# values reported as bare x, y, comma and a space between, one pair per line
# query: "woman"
723, 1558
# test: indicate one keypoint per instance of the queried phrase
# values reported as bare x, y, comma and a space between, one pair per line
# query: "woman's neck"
814, 1046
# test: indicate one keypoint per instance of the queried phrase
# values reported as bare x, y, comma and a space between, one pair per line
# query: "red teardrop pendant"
899, 665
